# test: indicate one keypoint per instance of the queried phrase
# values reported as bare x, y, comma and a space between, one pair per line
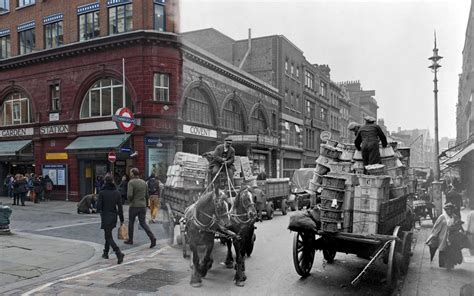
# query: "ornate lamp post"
436, 193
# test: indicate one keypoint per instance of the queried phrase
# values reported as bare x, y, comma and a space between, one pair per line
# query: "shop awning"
459, 156
11, 148
98, 142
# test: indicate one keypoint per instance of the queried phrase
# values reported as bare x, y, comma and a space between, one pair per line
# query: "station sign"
54, 129
199, 131
125, 120
16, 132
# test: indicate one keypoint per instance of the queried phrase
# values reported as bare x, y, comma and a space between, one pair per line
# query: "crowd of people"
29, 187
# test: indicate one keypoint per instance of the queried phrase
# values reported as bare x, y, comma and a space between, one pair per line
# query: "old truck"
276, 195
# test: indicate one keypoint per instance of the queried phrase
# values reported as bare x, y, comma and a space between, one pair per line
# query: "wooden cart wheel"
407, 238
329, 255
303, 253
391, 256
171, 224
284, 207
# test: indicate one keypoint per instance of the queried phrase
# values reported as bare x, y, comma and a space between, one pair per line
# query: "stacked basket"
332, 199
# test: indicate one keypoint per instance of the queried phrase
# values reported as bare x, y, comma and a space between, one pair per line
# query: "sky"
385, 44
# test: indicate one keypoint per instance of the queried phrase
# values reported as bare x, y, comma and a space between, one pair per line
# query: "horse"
204, 218
243, 218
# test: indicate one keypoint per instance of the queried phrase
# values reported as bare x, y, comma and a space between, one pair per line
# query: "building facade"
62, 78
362, 101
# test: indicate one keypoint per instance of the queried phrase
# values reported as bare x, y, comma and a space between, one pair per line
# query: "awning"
459, 156
98, 142
11, 148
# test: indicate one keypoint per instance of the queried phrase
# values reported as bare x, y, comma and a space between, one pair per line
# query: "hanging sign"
125, 120
325, 135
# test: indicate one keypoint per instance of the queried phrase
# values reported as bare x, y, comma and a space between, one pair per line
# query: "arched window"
104, 98
16, 109
233, 116
258, 122
196, 108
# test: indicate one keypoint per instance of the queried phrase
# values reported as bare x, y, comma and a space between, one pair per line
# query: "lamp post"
434, 67
436, 186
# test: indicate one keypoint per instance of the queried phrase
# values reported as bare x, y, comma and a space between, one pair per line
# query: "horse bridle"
237, 216
213, 218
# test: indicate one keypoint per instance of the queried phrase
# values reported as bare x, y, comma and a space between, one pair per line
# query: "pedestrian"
354, 127
154, 191
31, 188
137, 195
367, 141
109, 205
21, 187
41, 188
48, 187
223, 156
99, 184
37, 188
456, 199
123, 188
445, 238
9, 183
87, 205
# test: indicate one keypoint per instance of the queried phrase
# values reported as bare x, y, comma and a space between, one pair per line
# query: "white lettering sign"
54, 129
16, 132
199, 131
53, 116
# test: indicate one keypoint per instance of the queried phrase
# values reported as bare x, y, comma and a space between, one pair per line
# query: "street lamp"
434, 68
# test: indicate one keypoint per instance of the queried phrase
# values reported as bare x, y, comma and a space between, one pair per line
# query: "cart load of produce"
188, 171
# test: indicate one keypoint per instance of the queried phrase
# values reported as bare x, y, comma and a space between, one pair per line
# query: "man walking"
154, 191
137, 195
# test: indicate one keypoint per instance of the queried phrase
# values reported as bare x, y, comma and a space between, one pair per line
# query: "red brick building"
61, 80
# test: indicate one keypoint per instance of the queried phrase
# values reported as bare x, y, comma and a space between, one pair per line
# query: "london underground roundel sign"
325, 135
124, 120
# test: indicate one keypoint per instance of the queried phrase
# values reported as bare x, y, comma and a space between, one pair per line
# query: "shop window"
4, 6
89, 25
21, 3
258, 122
5, 47
233, 117
54, 92
161, 87
27, 41
53, 35
159, 17
120, 19
104, 98
197, 108
16, 110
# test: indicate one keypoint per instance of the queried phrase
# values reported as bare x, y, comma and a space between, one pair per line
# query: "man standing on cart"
367, 140
223, 156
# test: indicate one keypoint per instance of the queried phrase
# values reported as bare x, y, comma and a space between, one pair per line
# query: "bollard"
5, 213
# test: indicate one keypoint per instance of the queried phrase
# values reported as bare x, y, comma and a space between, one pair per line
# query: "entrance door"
88, 172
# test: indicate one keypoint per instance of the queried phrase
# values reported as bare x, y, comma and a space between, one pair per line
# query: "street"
163, 270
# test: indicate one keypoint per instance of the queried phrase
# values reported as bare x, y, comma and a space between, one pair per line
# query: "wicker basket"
386, 152
334, 215
358, 155
375, 169
330, 193
333, 182
327, 204
329, 225
321, 169
330, 151
390, 162
332, 143
347, 155
317, 179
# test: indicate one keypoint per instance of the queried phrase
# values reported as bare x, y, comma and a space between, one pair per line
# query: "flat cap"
228, 139
369, 119
353, 125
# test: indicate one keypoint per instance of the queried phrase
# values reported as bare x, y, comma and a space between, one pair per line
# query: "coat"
109, 205
439, 234
219, 157
367, 141
137, 193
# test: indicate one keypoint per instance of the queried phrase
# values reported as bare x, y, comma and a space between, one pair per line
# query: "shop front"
16, 157
159, 155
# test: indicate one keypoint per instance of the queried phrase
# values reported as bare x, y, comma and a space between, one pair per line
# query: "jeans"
141, 213
109, 241
19, 196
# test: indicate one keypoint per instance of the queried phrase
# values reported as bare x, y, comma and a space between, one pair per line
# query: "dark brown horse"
243, 217
210, 214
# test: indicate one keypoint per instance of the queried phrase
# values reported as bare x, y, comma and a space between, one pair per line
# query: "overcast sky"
384, 44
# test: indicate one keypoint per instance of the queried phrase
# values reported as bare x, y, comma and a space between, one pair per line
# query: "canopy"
11, 148
301, 177
458, 156
98, 142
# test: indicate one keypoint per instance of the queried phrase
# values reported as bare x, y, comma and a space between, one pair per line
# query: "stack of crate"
332, 201
188, 171
368, 198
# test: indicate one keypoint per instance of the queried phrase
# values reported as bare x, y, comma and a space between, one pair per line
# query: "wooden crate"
349, 193
366, 181
366, 203
347, 221
365, 222
373, 192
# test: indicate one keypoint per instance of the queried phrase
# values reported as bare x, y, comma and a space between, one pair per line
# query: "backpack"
152, 186
49, 186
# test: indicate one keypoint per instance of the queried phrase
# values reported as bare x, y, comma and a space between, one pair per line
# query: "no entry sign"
112, 157
124, 120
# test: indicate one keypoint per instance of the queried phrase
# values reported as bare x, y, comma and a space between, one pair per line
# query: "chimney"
249, 47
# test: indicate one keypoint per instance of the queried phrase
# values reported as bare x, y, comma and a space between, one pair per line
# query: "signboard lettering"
16, 132
54, 129
199, 131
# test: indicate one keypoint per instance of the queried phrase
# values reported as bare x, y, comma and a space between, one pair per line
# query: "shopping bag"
122, 232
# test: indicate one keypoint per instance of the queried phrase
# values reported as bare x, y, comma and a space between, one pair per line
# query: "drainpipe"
248, 49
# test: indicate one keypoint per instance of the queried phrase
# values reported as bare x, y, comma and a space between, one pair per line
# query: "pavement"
426, 278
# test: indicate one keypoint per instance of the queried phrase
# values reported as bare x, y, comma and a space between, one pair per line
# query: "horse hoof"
239, 283
196, 285
229, 265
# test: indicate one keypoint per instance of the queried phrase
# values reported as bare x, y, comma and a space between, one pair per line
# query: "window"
54, 92
233, 117
53, 35
289, 166
22, 3
310, 109
161, 87
308, 79
16, 110
286, 66
309, 139
293, 135
292, 68
89, 26
197, 108
258, 122
27, 41
5, 47
297, 72
323, 114
287, 98
159, 17
297, 103
4, 6
120, 19
323, 89
292, 98
104, 98
275, 121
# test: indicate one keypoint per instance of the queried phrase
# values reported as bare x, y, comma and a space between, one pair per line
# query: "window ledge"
161, 102
4, 12
25, 6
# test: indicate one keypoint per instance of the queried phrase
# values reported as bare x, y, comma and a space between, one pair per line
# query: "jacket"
109, 204
137, 193
21, 186
219, 158
86, 203
123, 188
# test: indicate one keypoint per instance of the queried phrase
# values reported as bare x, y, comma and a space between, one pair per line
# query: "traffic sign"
112, 157
126, 149
124, 120
325, 135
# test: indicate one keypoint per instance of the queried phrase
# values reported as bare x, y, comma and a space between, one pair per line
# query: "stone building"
362, 101
61, 80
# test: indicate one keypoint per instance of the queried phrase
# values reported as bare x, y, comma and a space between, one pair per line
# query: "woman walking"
20, 187
109, 205
445, 238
